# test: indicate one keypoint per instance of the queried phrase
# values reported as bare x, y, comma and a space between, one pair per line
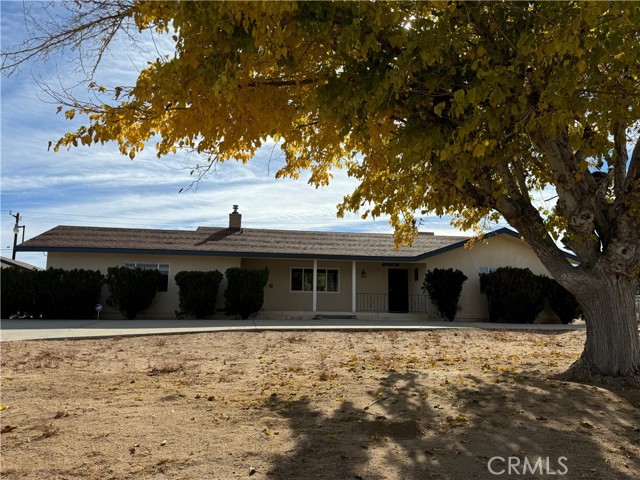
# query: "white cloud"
98, 186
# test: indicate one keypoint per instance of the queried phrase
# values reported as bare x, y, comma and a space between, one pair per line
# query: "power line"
47, 214
103, 220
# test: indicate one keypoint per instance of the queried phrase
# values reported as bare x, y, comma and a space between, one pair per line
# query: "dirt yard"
327, 405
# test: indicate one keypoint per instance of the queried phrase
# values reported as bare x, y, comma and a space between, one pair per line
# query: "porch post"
353, 286
315, 286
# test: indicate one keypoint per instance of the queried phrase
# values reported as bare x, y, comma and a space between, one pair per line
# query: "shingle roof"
247, 242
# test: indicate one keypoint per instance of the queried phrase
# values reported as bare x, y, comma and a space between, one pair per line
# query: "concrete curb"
14, 330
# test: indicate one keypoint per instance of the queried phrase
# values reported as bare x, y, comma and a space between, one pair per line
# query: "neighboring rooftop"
8, 262
246, 242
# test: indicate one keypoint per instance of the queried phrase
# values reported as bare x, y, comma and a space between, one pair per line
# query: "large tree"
466, 109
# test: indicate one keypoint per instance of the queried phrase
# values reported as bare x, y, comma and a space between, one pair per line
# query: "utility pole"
16, 230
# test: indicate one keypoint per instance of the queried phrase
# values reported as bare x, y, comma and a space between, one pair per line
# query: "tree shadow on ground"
408, 430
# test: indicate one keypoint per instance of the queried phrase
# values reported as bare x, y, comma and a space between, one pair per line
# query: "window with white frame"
163, 268
327, 280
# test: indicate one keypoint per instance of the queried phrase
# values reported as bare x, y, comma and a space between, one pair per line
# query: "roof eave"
140, 251
373, 258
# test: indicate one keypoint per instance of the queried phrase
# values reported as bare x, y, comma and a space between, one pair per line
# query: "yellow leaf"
439, 108
478, 150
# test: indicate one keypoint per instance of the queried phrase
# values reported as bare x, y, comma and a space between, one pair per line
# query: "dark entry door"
398, 290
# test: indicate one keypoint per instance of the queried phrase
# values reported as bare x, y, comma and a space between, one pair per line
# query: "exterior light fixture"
364, 274
16, 230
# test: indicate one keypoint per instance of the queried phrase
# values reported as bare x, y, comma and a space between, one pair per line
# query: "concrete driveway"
11, 330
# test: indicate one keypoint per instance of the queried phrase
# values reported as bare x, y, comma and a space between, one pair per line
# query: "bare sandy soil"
325, 405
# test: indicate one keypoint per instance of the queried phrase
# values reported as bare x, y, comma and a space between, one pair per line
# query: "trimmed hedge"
17, 292
244, 295
514, 295
198, 292
53, 293
131, 290
444, 287
561, 301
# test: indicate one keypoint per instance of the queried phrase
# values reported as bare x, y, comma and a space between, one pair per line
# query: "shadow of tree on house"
406, 431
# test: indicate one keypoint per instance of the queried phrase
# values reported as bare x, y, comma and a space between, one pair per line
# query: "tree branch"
274, 82
521, 177
95, 24
527, 220
633, 173
621, 159
510, 182
577, 199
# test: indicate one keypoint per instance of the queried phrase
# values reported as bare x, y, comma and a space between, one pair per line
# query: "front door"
398, 290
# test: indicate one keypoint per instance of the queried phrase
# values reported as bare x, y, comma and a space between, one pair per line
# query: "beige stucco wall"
165, 303
499, 251
279, 297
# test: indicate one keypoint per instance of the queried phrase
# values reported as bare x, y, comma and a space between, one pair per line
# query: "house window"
302, 280
487, 269
162, 267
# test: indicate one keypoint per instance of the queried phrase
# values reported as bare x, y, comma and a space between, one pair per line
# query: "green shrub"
52, 293
244, 295
514, 295
47, 288
67, 293
131, 290
86, 287
444, 287
197, 292
17, 292
561, 300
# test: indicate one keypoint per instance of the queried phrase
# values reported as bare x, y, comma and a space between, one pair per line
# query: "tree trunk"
612, 351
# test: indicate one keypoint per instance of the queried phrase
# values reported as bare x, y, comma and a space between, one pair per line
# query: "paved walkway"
11, 330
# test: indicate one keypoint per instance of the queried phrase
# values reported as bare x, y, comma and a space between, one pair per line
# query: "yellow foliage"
434, 107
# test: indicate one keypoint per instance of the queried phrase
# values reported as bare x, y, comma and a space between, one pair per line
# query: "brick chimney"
235, 219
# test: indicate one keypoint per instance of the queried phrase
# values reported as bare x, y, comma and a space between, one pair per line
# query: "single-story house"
310, 273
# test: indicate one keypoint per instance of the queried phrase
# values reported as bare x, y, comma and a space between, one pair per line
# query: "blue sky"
98, 186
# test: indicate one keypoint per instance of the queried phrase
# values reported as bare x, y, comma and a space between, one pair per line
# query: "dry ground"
330, 405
